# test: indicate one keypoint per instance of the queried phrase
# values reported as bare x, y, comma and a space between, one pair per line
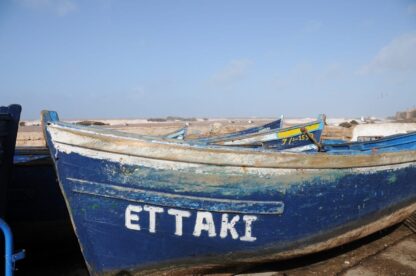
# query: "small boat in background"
178, 134
9, 123
397, 142
302, 137
274, 125
147, 205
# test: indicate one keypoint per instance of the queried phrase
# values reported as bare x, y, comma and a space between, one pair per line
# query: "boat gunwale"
162, 149
377, 141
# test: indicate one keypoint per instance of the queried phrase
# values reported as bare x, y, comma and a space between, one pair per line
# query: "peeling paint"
328, 200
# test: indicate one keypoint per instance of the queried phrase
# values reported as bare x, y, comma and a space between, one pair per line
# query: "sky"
208, 58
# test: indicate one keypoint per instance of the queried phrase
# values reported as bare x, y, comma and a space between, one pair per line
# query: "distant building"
410, 114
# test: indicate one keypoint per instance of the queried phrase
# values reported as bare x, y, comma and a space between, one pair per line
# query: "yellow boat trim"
296, 131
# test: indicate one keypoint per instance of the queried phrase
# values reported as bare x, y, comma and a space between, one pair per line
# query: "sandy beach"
30, 133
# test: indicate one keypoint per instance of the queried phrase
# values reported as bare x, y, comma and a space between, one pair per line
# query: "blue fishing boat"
178, 134
395, 142
151, 205
302, 137
276, 124
9, 122
34, 186
31, 155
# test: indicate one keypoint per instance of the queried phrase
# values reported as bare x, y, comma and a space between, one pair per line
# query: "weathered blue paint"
172, 200
319, 204
398, 142
314, 209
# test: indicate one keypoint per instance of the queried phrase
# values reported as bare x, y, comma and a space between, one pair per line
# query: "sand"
30, 133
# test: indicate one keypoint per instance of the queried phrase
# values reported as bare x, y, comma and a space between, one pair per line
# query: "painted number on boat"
299, 138
204, 223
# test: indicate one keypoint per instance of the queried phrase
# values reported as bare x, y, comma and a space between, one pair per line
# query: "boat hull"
125, 209
9, 121
398, 142
34, 186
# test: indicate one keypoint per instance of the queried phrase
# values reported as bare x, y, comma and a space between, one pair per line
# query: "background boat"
301, 137
9, 122
395, 142
34, 187
178, 134
274, 125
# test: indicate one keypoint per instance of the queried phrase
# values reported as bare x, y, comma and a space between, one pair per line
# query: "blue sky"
127, 59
